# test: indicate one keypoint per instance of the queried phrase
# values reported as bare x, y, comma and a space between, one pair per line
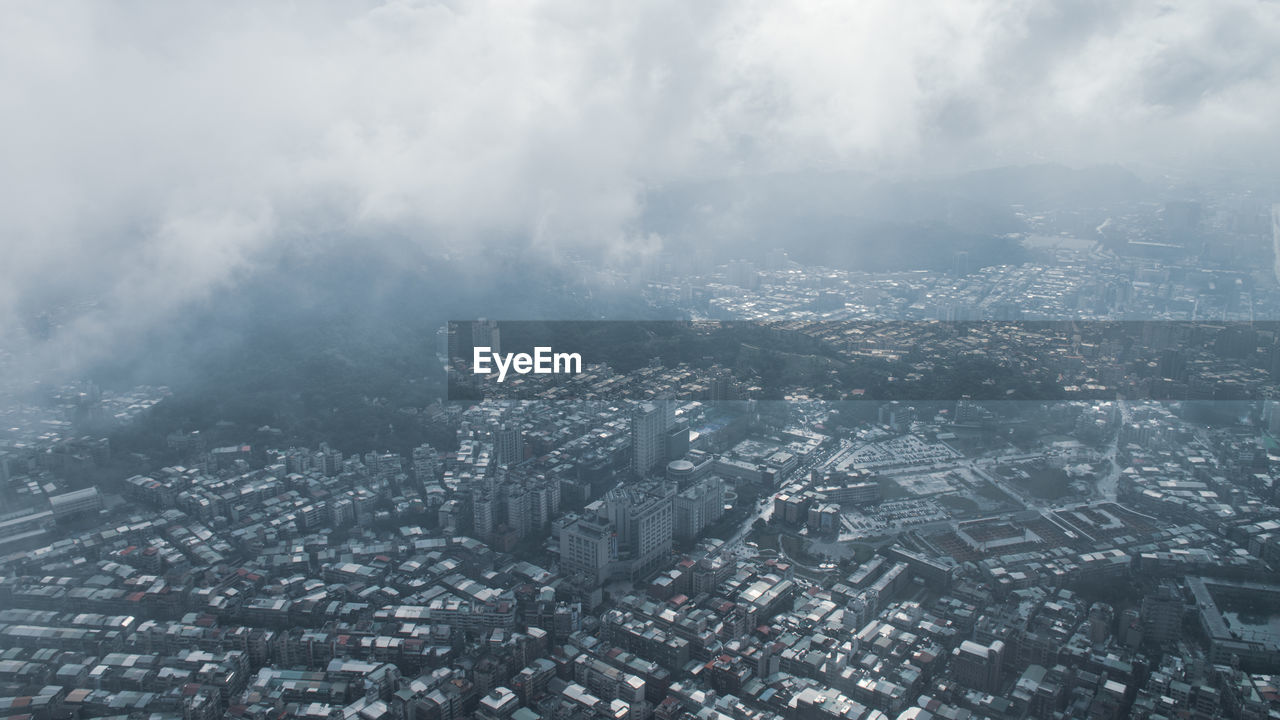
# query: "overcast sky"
152, 150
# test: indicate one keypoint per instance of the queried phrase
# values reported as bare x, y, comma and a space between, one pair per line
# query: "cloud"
154, 151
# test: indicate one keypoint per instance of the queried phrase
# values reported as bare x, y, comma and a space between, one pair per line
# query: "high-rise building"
666, 403
1162, 614
648, 439
677, 439
484, 333
978, 666
697, 507
299, 461
587, 546
482, 513
519, 520
544, 503
447, 343
897, 415
426, 463
383, 464
721, 387
967, 411
508, 444
643, 519
328, 460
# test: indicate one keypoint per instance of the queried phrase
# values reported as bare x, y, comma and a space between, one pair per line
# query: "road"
1107, 484
764, 511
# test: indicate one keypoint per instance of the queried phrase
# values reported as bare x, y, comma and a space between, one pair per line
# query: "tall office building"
666, 403
1162, 614
483, 509
447, 343
677, 439
544, 504
508, 444
517, 501
978, 666
644, 522
697, 507
484, 333
897, 415
586, 548
648, 439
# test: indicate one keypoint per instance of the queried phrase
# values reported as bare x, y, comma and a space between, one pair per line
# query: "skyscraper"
447, 343
666, 403
484, 333
482, 512
508, 444
648, 441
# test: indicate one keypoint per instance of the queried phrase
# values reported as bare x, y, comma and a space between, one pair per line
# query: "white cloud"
151, 151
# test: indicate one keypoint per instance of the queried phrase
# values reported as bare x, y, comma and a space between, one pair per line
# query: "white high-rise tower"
648, 444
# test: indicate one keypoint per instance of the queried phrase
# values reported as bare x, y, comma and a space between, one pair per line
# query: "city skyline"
443, 360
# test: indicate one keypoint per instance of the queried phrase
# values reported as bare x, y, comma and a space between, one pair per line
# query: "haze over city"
413, 360
156, 155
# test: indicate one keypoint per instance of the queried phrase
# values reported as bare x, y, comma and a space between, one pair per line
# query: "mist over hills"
336, 335
859, 222
377, 300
